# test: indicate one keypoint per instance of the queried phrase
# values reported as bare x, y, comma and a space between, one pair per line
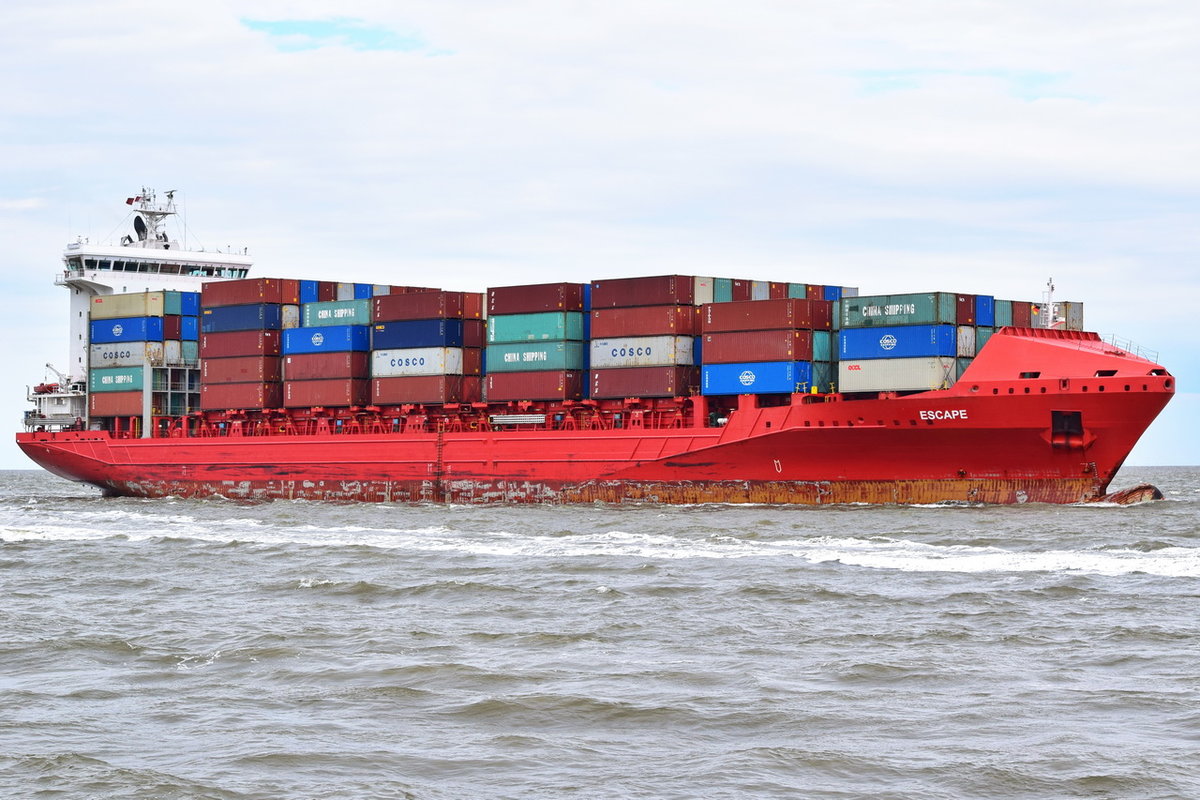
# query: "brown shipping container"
220, 396
751, 315
250, 290
502, 386
326, 291
426, 389
660, 290
740, 290
965, 314
328, 392
778, 291
739, 346
474, 333
115, 404
1022, 314
240, 343
319, 366
240, 369
645, 382
814, 291
427, 305
172, 326
611, 323
535, 297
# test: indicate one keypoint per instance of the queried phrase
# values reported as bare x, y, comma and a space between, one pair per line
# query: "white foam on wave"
884, 553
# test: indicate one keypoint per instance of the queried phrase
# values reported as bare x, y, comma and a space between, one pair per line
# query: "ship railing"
1132, 347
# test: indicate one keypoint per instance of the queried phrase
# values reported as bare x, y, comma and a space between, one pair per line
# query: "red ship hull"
1040, 416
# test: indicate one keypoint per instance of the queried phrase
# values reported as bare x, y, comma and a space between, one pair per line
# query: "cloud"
294, 35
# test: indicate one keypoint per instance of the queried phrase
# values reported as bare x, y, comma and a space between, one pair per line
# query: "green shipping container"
116, 379
798, 290
548, 326
1003, 313
899, 309
822, 346
530, 357
336, 312
190, 350
981, 337
722, 290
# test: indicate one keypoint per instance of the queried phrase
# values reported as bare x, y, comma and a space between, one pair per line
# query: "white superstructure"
146, 260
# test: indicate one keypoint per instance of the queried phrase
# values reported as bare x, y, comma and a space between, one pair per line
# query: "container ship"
187, 377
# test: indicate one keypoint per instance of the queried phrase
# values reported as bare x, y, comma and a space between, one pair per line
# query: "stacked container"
763, 346
241, 327
427, 347
536, 342
643, 335
143, 343
325, 359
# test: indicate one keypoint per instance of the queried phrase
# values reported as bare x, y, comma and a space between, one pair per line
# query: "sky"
982, 147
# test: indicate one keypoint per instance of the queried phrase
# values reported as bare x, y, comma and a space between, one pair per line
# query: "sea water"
216, 649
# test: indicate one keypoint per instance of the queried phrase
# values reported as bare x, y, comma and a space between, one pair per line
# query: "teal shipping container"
1003, 313
822, 345
798, 291
336, 312
116, 379
722, 290
534, 357
981, 337
546, 326
899, 309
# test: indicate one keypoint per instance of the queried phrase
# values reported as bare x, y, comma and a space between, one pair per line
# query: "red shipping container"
474, 333
740, 290
965, 314
240, 369
778, 290
426, 389
503, 386
645, 382
319, 366
752, 315
814, 290
1022, 314
426, 305
739, 346
535, 297
660, 290
247, 291
240, 343
221, 396
328, 392
115, 404
609, 323
172, 326
326, 291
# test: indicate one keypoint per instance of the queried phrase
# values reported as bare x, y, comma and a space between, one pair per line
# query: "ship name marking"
944, 413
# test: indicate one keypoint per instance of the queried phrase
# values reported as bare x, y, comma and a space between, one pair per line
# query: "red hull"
992, 438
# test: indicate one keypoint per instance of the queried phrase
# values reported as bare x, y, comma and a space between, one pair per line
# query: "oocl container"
540, 356
760, 377
641, 351
897, 374
900, 341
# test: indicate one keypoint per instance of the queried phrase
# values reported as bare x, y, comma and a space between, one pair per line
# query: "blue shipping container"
762, 377
328, 339
833, 293
309, 292
985, 310
417, 333
189, 329
189, 304
127, 329
254, 317
364, 291
898, 341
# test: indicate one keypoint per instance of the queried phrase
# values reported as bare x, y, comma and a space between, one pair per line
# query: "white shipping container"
345, 291
849, 291
966, 341
173, 351
760, 290
128, 354
896, 374
416, 361
702, 290
1073, 313
642, 351
290, 316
